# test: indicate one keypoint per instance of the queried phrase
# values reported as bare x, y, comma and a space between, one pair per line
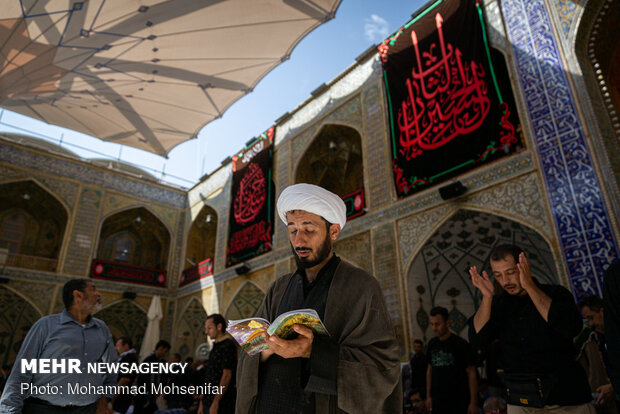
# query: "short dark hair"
69, 287
592, 301
440, 310
500, 252
217, 320
417, 390
125, 341
162, 343
418, 341
178, 356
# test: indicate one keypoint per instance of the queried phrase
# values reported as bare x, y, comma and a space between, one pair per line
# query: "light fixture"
452, 190
243, 269
26, 196
209, 218
138, 219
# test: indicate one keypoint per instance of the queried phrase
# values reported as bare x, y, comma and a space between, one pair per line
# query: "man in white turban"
354, 370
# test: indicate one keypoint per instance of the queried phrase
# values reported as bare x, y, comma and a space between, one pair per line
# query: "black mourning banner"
251, 211
447, 113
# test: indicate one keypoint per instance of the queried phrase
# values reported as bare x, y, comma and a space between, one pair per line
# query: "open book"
248, 332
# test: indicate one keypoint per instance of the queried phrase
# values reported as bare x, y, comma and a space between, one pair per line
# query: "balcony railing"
121, 272
25, 261
201, 270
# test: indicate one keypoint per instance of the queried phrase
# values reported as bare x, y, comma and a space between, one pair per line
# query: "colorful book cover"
248, 332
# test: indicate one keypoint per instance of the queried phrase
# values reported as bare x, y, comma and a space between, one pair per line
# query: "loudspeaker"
243, 269
452, 190
129, 295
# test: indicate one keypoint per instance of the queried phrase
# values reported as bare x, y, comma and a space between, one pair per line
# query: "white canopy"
144, 73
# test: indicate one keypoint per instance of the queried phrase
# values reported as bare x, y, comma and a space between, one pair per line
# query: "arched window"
134, 237
202, 237
334, 161
123, 249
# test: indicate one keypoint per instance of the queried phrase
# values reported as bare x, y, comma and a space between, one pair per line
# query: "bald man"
355, 369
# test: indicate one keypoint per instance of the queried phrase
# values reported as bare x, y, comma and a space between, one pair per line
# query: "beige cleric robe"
357, 319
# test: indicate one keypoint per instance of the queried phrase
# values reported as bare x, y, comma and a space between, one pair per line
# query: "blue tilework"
575, 194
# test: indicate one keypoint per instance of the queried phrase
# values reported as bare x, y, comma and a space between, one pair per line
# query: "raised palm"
482, 282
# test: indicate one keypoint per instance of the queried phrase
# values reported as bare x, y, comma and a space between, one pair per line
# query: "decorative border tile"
88, 174
574, 190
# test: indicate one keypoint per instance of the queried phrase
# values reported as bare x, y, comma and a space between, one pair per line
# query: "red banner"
101, 269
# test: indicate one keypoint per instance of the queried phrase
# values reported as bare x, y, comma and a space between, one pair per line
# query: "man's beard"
321, 254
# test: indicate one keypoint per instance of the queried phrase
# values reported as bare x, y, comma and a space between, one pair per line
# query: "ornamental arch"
597, 49
246, 302
190, 330
135, 237
17, 316
334, 160
438, 274
202, 237
125, 318
32, 225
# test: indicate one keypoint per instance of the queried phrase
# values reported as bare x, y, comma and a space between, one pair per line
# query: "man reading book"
355, 369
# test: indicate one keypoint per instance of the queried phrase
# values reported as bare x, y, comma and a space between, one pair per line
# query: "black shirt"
223, 355
123, 401
449, 359
530, 345
611, 298
284, 383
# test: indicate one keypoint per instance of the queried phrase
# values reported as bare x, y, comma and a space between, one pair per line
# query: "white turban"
313, 199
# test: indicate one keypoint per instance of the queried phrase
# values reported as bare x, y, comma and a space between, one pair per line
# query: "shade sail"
144, 73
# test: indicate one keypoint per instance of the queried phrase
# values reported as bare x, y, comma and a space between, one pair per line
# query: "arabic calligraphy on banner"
251, 214
446, 108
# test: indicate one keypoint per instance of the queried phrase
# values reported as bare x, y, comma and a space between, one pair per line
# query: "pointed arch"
437, 275
148, 234
125, 318
334, 160
245, 302
202, 237
190, 328
17, 315
33, 223
44, 187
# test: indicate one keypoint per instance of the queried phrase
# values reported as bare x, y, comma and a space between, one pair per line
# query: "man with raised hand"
354, 370
72, 334
535, 324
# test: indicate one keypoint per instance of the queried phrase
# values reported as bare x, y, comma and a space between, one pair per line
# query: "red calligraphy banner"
200, 271
101, 269
251, 213
447, 110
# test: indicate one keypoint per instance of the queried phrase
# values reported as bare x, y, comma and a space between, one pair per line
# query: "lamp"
243, 269
452, 190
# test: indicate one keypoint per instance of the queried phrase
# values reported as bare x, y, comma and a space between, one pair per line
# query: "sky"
317, 59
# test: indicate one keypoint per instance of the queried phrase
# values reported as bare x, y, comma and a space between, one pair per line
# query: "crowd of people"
527, 352
528, 349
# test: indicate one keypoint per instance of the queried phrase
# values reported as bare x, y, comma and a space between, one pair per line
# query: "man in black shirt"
593, 355
145, 403
220, 370
128, 354
535, 325
611, 298
451, 375
418, 366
